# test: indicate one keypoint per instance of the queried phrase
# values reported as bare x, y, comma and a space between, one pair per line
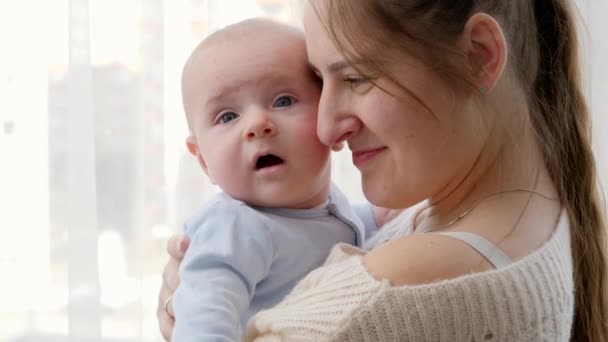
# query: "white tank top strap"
487, 249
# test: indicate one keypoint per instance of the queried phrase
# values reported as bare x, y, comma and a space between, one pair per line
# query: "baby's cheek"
308, 133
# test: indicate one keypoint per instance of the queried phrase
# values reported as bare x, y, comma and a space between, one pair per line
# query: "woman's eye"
227, 117
354, 82
284, 101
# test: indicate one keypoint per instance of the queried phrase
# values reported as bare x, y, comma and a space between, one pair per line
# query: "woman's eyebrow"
333, 67
337, 66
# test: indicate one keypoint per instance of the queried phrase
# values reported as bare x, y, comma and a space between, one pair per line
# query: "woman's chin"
379, 195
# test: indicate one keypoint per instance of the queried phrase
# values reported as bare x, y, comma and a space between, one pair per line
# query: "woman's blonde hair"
543, 47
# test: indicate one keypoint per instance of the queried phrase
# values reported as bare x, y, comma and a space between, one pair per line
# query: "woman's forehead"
318, 42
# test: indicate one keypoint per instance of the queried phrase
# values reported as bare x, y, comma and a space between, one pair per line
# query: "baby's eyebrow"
217, 96
225, 92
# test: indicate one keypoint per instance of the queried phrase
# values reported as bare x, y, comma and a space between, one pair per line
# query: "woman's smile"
361, 157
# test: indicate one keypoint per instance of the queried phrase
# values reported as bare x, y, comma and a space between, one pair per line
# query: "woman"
473, 110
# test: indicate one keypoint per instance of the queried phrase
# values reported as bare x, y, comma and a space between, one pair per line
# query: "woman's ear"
486, 50
193, 149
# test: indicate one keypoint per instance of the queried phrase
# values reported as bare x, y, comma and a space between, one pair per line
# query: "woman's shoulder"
427, 258
421, 259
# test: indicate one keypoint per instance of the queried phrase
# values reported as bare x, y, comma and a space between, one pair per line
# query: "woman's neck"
504, 164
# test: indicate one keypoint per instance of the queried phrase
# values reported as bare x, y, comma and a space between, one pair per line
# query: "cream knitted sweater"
529, 300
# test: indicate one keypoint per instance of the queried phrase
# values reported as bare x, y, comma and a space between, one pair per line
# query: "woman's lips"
361, 157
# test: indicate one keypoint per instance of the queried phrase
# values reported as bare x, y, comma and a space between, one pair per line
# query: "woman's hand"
176, 247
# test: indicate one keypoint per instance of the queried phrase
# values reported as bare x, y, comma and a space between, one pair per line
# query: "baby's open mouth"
268, 160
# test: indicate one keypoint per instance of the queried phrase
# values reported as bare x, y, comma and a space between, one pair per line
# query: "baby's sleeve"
230, 252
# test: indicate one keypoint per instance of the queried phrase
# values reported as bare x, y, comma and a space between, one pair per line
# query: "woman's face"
409, 146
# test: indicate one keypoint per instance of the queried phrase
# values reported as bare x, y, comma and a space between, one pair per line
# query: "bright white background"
94, 175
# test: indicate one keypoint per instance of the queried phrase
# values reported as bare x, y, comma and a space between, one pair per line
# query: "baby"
251, 105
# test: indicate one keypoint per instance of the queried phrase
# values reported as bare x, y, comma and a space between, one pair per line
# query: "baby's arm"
229, 253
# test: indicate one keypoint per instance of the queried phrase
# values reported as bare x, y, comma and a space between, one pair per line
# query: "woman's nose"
336, 122
260, 125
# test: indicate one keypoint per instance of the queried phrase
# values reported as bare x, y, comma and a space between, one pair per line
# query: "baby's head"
251, 104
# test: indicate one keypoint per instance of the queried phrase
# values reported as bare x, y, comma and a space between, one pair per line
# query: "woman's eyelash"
355, 81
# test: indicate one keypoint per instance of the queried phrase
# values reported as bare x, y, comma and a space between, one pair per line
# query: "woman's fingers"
164, 312
177, 246
165, 322
171, 275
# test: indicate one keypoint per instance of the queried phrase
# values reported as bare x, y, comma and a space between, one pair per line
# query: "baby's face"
252, 106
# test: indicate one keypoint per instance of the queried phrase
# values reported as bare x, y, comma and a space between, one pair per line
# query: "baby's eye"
227, 117
284, 101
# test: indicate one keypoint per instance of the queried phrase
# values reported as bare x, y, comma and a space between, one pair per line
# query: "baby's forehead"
234, 55
254, 30
252, 55
249, 51
253, 41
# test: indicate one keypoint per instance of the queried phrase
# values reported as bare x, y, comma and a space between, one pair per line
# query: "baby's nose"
261, 127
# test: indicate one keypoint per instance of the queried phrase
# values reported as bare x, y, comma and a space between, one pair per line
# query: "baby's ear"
193, 149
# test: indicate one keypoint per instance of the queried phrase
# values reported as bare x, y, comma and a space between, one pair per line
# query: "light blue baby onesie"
243, 259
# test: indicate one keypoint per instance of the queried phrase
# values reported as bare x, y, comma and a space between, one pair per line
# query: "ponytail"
561, 119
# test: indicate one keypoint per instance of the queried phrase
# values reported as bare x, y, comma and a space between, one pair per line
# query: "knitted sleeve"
318, 304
